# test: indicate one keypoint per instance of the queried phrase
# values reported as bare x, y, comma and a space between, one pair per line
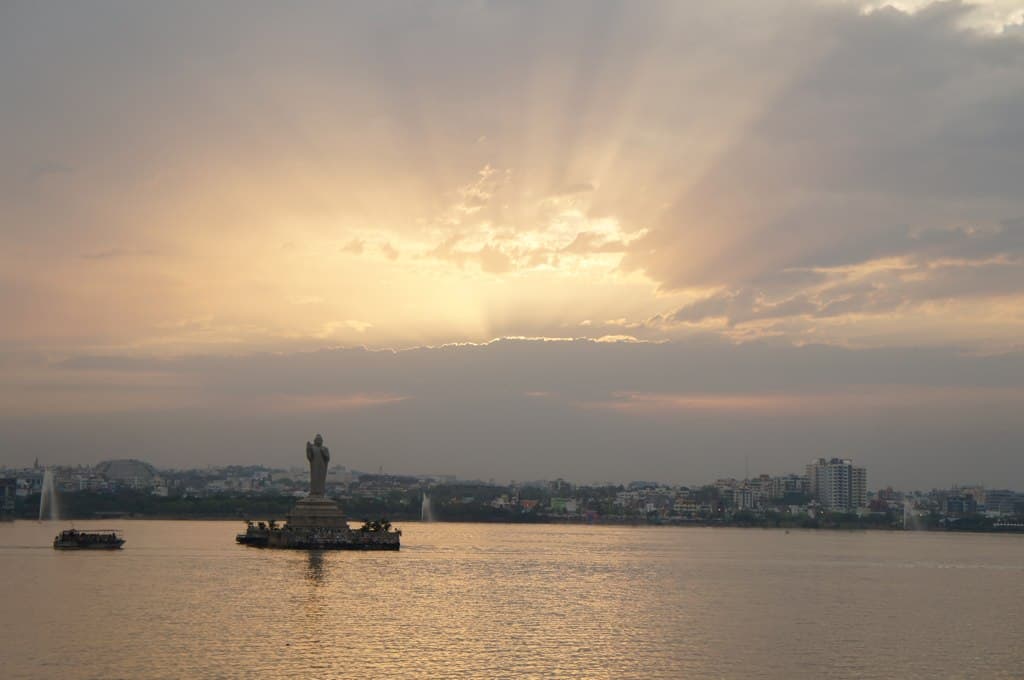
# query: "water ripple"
502, 601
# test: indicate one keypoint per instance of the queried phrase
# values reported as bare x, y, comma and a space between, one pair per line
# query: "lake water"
490, 601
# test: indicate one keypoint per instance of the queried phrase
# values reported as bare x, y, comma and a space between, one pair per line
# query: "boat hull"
117, 546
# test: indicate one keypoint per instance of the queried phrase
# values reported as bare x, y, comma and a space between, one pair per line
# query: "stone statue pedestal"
316, 512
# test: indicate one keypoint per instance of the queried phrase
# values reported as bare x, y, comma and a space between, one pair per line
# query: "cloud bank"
685, 411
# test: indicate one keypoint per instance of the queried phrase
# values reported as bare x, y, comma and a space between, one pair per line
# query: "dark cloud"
520, 409
880, 293
902, 138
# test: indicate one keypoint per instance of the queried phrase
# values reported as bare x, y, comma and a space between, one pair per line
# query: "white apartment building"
838, 484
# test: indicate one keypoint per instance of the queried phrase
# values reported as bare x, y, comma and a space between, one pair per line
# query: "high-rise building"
837, 484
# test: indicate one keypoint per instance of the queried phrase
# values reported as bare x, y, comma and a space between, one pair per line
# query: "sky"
597, 240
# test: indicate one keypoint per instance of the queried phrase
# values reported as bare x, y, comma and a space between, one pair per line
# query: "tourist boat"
97, 539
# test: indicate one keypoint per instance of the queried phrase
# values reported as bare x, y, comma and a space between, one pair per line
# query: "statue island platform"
317, 523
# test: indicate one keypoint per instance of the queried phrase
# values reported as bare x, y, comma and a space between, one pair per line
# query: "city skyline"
340, 469
832, 493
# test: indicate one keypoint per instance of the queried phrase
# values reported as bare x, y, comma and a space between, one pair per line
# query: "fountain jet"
425, 513
48, 506
908, 515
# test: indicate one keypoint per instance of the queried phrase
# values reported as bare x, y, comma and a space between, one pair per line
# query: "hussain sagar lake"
316, 522
514, 601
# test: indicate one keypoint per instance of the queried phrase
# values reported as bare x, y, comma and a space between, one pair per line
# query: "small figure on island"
318, 456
